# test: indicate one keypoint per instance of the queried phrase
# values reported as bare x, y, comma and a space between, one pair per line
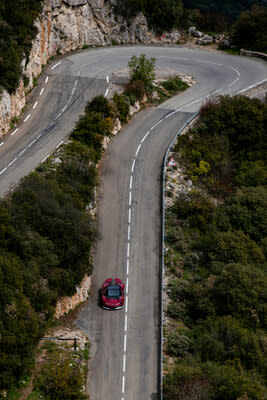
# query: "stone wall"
66, 25
249, 53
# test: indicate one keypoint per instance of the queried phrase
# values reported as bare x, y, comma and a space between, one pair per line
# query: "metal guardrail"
162, 251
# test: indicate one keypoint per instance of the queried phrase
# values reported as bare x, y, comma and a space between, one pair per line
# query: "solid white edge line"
193, 102
156, 124
137, 151
35, 104
144, 138
42, 91
125, 344
171, 114
28, 116
125, 323
46, 79
131, 182
64, 108
13, 133
72, 92
123, 384
252, 86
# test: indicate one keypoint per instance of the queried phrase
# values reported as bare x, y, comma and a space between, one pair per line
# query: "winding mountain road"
124, 352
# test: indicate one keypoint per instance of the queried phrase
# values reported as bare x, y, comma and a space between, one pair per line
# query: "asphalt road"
124, 351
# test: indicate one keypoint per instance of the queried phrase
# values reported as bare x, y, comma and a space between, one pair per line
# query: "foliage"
218, 16
178, 344
122, 105
16, 33
216, 234
142, 69
249, 31
164, 15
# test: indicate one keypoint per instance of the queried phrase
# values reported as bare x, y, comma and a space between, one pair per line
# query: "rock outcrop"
66, 304
66, 25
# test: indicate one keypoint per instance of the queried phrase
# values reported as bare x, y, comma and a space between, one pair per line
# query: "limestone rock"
66, 303
206, 39
225, 43
75, 3
194, 32
55, 3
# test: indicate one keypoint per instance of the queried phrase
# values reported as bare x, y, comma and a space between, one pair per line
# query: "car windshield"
112, 292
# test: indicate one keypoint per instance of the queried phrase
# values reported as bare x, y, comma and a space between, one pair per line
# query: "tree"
249, 31
142, 69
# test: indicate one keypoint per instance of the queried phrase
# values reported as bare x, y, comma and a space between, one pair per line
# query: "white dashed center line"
28, 116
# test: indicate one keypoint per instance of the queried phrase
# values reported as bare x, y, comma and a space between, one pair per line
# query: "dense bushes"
216, 238
249, 31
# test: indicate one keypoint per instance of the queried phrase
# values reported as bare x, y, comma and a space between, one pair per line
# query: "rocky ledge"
66, 25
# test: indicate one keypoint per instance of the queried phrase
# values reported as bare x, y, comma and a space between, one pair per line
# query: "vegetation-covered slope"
216, 237
229, 8
47, 234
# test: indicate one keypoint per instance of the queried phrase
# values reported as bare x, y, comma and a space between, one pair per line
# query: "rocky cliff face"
66, 25
66, 303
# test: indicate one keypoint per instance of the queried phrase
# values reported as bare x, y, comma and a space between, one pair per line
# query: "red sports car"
112, 294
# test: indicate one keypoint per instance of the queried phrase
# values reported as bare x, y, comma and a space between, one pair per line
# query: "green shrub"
122, 106
178, 344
